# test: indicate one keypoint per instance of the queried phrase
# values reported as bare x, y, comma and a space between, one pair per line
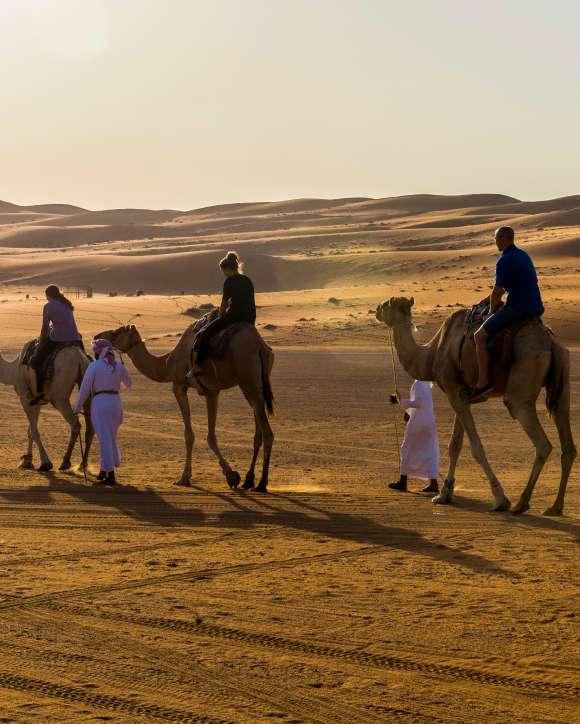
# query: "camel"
538, 360
247, 364
70, 365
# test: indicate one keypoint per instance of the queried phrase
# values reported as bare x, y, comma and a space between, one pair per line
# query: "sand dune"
288, 245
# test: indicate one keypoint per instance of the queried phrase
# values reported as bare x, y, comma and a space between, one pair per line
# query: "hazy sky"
182, 103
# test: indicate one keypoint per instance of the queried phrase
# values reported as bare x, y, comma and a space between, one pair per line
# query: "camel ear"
411, 302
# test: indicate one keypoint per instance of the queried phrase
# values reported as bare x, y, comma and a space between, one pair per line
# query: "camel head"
123, 338
395, 310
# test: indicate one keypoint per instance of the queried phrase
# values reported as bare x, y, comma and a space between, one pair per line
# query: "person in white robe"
420, 448
102, 383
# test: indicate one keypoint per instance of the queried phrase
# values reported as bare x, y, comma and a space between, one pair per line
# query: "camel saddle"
48, 364
219, 343
500, 346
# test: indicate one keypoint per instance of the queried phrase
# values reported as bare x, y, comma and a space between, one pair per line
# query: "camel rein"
395, 381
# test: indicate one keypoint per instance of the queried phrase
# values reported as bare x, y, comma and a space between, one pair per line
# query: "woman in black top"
238, 304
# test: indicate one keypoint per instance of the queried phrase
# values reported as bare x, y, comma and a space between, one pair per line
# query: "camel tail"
558, 380
267, 360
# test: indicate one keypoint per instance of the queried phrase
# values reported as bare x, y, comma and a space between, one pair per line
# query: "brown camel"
248, 364
70, 365
538, 360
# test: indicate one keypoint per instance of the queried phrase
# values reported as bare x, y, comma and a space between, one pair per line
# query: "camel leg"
250, 475
466, 418
562, 420
26, 460
267, 439
180, 392
528, 418
63, 406
232, 476
32, 413
455, 446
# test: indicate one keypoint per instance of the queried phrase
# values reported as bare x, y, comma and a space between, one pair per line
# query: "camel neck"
417, 359
155, 368
8, 371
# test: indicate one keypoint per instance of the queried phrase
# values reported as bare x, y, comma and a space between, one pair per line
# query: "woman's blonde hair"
232, 262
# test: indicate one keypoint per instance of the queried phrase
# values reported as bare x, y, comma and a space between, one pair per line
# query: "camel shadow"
346, 527
529, 519
144, 506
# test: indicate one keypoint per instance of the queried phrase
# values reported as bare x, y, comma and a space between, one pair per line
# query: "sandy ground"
330, 599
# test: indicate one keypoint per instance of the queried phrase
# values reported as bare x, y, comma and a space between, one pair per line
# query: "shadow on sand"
245, 511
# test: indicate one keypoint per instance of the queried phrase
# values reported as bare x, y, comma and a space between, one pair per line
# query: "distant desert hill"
294, 244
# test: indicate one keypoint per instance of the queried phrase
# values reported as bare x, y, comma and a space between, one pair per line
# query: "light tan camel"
538, 360
70, 365
248, 364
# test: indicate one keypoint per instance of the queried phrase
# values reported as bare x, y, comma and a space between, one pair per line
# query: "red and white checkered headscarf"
103, 349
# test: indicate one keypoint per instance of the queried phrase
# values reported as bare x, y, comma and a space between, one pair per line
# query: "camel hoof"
502, 506
249, 482
183, 483
444, 498
553, 512
26, 463
65, 465
262, 487
45, 467
233, 478
520, 508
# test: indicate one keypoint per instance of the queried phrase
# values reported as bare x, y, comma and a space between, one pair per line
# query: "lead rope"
394, 368
82, 452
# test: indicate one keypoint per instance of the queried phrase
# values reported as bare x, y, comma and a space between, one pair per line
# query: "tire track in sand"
176, 672
78, 695
544, 685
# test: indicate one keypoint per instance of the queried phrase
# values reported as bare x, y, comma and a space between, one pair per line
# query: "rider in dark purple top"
58, 322
58, 326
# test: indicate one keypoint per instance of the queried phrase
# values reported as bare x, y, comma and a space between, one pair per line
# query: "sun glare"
69, 29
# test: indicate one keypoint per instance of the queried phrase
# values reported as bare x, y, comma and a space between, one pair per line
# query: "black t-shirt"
239, 291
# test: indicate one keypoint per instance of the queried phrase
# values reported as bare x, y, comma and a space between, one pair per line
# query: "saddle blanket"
48, 363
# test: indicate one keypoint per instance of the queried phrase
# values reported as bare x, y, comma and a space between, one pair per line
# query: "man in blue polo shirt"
515, 276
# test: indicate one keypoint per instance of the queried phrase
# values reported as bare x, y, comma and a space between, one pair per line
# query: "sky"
186, 103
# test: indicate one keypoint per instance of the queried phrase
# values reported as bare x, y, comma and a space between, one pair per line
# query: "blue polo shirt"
515, 272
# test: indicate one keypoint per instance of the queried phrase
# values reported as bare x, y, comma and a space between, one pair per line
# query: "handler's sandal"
102, 475
433, 487
479, 393
399, 485
110, 479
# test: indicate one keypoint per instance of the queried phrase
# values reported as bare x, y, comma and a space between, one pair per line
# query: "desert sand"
331, 599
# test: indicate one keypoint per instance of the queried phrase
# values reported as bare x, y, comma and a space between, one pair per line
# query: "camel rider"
516, 277
237, 305
58, 326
